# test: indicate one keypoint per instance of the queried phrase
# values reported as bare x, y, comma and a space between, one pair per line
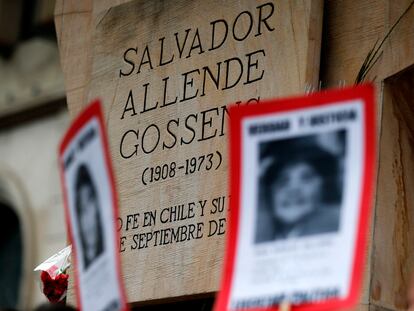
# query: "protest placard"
302, 179
91, 207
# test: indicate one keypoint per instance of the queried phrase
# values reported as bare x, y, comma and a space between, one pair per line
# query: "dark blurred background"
33, 117
21, 20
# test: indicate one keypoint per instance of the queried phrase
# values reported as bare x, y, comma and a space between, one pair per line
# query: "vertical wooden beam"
393, 252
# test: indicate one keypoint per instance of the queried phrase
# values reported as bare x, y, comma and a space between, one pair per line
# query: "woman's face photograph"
296, 192
89, 219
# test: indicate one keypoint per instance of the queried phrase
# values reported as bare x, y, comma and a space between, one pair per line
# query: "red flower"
55, 288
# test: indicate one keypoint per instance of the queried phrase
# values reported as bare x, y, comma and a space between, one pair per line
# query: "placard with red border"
256, 276
84, 155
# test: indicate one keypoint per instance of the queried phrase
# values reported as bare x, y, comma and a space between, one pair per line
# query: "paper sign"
91, 207
57, 263
302, 179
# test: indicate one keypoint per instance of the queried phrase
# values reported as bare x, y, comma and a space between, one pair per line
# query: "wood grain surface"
351, 29
163, 111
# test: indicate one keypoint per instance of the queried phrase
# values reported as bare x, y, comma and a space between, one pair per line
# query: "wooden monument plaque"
166, 72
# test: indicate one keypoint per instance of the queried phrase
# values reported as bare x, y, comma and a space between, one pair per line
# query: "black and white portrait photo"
88, 216
300, 186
